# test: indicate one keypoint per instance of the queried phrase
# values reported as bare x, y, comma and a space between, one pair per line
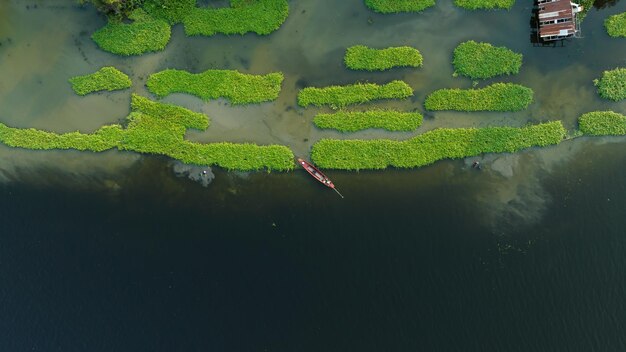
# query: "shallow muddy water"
526, 254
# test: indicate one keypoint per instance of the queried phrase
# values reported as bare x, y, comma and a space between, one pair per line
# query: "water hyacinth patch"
394, 6
175, 113
496, 97
340, 96
360, 57
107, 78
612, 84
602, 123
483, 60
351, 121
144, 35
156, 128
484, 4
616, 25
243, 16
237, 87
432, 146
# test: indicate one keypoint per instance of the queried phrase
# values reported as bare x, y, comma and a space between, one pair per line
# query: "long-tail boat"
318, 175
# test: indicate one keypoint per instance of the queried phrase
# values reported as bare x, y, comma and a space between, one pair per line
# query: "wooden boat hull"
316, 173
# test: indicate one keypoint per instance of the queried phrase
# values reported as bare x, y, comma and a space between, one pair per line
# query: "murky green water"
526, 254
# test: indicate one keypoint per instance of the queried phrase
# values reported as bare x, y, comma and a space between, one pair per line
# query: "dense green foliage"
602, 123
350, 121
496, 97
360, 57
143, 35
432, 146
157, 128
587, 5
151, 31
238, 87
616, 25
484, 4
107, 78
393, 6
612, 84
115, 8
483, 60
106, 137
177, 114
340, 96
243, 16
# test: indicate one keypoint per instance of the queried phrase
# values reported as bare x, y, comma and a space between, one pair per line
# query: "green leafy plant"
393, 6
259, 16
602, 123
432, 146
616, 25
238, 87
151, 28
107, 78
484, 4
496, 97
360, 57
340, 96
612, 84
350, 121
145, 34
483, 60
156, 128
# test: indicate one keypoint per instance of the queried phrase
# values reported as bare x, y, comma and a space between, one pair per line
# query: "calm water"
116, 252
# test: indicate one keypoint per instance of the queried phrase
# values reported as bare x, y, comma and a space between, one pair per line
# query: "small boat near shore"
318, 175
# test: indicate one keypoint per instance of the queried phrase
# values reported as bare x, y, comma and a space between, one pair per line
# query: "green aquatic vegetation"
144, 34
496, 97
616, 25
107, 78
237, 87
156, 128
484, 4
340, 96
393, 6
612, 84
602, 123
483, 60
360, 57
106, 137
179, 115
432, 146
259, 16
350, 121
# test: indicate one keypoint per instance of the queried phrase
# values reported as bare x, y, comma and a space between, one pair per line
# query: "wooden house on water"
557, 19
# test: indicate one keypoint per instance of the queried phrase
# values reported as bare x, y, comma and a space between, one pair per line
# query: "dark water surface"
114, 252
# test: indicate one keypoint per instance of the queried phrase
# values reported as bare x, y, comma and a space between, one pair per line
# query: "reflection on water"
36, 61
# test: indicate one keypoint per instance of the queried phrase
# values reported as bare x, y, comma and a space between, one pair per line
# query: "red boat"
317, 174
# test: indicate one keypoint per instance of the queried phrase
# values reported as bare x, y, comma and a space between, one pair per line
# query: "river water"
117, 251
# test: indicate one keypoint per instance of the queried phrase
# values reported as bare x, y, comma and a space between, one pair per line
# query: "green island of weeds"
157, 128
237, 87
259, 16
616, 25
340, 96
107, 78
496, 97
144, 34
484, 4
394, 6
351, 121
612, 84
483, 60
427, 148
360, 57
602, 123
